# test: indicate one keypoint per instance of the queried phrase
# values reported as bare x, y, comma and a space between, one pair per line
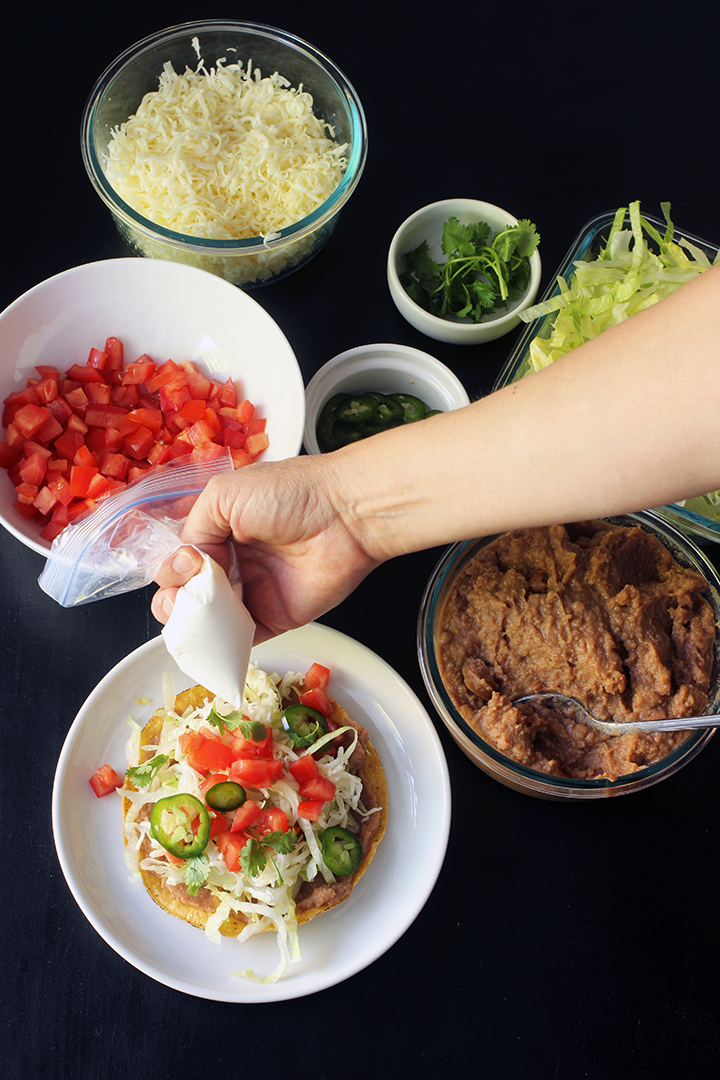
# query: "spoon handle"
672, 724
616, 727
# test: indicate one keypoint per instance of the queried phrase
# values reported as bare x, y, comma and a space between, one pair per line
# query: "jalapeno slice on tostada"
181, 824
341, 850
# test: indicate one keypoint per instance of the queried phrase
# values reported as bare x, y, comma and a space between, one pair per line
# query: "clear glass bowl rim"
202, 245
530, 780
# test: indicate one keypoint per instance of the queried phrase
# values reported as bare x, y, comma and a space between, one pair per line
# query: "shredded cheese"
224, 153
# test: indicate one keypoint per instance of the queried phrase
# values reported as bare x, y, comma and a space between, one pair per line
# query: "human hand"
296, 556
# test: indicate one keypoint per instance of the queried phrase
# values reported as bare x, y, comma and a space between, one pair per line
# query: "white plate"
335, 946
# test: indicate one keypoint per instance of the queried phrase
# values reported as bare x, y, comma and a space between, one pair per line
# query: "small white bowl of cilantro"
461, 270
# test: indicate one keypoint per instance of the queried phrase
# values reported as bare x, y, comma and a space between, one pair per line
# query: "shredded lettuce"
627, 276
634, 269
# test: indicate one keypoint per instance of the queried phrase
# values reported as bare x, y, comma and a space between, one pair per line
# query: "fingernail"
183, 562
167, 606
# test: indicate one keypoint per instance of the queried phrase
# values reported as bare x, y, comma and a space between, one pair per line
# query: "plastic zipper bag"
121, 544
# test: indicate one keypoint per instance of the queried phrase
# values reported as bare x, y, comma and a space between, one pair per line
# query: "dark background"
561, 941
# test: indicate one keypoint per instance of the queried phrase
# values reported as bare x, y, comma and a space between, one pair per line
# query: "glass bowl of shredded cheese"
229, 146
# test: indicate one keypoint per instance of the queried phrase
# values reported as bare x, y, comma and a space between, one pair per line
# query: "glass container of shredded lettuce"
620, 263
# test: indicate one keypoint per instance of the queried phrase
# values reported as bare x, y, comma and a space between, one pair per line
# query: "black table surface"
560, 940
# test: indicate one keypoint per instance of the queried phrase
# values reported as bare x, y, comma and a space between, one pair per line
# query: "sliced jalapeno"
341, 851
413, 408
303, 724
388, 410
181, 824
347, 418
346, 433
225, 796
326, 422
357, 410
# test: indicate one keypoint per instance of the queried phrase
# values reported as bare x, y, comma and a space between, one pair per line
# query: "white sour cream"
210, 633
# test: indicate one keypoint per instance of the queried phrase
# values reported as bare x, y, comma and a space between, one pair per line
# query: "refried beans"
596, 611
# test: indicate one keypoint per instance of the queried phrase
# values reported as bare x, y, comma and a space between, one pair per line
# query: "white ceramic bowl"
387, 369
167, 310
427, 224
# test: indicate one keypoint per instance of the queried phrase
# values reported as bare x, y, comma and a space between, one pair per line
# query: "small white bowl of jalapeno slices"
374, 387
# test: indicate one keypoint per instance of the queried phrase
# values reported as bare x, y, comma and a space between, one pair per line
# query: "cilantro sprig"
197, 870
256, 852
252, 730
480, 275
143, 775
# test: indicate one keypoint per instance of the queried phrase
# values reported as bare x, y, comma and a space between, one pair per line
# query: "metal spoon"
561, 702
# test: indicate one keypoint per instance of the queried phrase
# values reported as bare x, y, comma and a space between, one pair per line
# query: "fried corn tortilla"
313, 897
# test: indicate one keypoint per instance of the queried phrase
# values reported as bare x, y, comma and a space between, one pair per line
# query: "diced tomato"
46, 390
317, 675
85, 456
255, 444
304, 769
189, 740
24, 508
26, 493
29, 419
139, 443
59, 409
230, 844
310, 809
272, 819
115, 354
193, 410
81, 477
228, 394
209, 754
99, 393
97, 359
45, 500
245, 411
256, 772
82, 373
318, 788
240, 458
251, 748
115, 466
120, 421
48, 371
140, 372
200, 388
146, 416
317, 698
206, 452
244, 816
159, 454
234, 438
165, 373
75, 423
218, 824
98, 486
33, 469
104, 780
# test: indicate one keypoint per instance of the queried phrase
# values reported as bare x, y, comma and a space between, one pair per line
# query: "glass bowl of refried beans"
620, 613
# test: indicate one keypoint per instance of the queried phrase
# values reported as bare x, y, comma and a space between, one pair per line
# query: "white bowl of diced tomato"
115, 367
